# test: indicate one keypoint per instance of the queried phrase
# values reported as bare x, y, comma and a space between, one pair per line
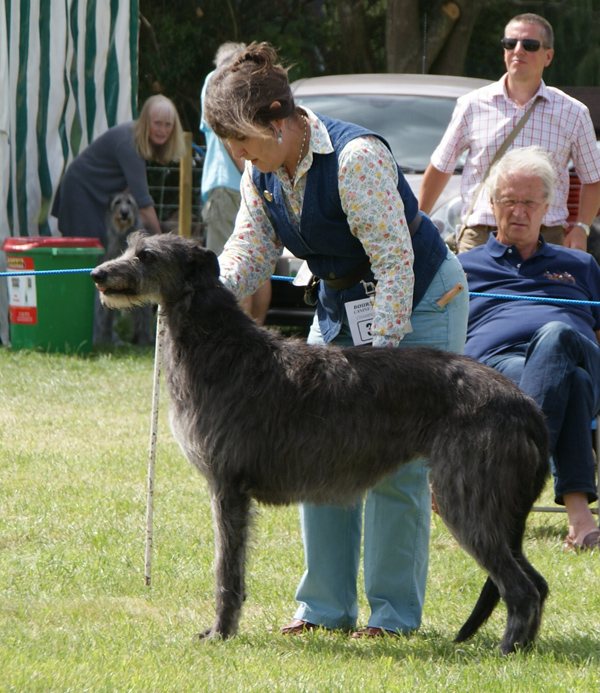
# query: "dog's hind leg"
490, 596
515, 588
523, 606
543, 590
494, 538
231, 516
516, 541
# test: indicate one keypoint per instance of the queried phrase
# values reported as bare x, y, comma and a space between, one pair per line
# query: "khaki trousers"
218, 214
478, 235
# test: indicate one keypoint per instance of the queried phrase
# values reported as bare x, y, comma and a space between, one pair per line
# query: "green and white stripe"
69, 70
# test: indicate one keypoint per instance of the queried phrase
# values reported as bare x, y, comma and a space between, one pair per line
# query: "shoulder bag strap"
499, 154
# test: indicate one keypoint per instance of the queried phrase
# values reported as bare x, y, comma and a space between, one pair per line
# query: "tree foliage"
429, 36
178, 40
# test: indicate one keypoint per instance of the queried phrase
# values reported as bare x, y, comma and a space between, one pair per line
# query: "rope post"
160, 334
185, 189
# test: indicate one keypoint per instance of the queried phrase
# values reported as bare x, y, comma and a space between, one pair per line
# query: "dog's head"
156, 269
122, 213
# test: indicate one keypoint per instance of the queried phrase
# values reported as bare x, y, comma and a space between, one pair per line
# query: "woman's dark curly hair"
239, 96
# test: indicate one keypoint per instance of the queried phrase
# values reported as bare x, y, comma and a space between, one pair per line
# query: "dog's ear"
203, 262
136, 236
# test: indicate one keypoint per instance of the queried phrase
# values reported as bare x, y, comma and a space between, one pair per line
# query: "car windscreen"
413, 125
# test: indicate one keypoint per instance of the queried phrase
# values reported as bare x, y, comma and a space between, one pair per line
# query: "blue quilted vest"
324, 239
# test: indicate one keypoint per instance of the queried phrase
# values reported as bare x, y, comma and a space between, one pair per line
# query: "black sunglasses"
530, 45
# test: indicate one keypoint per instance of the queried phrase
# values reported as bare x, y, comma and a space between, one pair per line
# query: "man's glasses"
511, 203
530, 45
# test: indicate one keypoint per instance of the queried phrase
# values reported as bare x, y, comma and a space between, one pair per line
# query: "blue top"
218, 169
496, 324
324, 239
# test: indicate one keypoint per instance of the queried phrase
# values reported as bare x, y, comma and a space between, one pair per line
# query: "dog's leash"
160, 335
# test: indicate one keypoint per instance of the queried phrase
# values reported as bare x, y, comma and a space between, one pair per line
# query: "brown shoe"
590, 542
372, 632
297, 626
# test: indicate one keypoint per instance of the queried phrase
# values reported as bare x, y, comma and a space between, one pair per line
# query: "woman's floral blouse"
367, 181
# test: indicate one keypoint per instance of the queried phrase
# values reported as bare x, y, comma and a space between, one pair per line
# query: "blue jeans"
560, 370
396, 512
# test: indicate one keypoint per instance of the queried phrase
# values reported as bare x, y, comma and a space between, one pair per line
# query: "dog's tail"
487, 602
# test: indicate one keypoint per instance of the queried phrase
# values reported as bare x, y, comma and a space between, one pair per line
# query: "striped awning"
68, 72
69, 68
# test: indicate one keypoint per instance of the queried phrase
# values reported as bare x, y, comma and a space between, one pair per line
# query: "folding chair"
596, 445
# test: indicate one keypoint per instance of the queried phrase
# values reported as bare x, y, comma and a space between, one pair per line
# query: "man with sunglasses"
483, 119
549, 347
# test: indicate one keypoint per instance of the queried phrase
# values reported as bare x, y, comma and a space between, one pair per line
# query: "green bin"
53, 312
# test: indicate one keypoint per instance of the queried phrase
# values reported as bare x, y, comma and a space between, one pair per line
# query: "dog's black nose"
98, 275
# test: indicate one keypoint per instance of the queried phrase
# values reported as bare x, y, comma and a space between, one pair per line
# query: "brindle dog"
271, 419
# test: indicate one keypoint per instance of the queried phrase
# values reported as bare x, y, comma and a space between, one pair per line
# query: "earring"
279, 137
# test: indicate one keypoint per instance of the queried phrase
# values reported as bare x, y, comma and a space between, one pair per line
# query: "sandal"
590, 542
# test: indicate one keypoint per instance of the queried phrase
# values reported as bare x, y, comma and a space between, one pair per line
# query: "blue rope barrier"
546, 299
25, 273
277, 277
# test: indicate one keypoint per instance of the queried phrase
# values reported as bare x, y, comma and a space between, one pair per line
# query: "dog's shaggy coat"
273, 419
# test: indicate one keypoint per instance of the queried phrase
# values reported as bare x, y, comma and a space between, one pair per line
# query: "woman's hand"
150, 219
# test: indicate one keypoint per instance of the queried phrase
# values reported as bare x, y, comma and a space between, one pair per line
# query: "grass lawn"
75, 614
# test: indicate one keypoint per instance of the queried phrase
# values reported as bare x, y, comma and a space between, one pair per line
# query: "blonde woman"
114, 162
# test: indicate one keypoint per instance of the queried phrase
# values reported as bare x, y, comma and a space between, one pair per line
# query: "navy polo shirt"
499, 324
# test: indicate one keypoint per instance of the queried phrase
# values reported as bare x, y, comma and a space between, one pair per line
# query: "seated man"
550, 349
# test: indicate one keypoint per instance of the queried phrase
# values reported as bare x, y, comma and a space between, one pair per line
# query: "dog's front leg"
231, 517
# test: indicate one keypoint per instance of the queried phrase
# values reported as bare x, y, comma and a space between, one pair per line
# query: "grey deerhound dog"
122, 219
272, 419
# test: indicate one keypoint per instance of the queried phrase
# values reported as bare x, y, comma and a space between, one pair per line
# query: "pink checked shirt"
483, 119
367, 182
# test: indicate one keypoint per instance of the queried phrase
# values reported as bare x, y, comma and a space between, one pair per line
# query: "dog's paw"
208, 634
509, 648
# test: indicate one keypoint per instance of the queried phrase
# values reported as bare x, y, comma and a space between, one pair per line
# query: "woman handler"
332, 193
